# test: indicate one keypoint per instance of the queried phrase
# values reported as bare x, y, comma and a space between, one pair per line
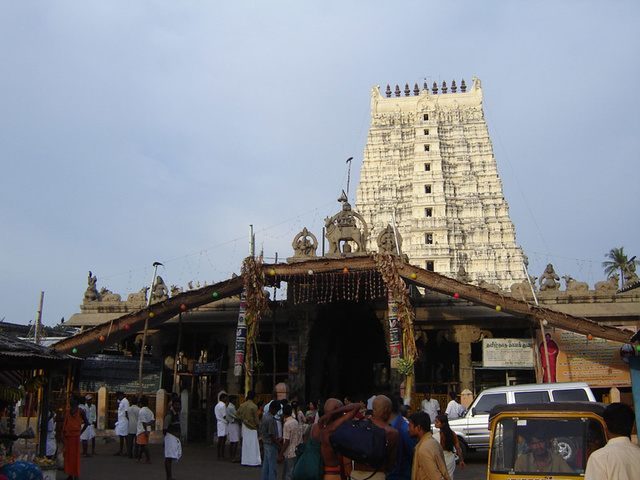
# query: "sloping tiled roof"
20, 354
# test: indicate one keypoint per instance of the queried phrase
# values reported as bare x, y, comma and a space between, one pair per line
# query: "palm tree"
617, 260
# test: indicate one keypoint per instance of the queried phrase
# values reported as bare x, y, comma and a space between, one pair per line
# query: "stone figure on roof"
629, 273
304, 246
549, 280
387, 241
160, 291
91, 293
343, 227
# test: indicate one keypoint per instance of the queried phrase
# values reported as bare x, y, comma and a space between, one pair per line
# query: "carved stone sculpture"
140, 297
107, 295
521, 289
575, 286
304, 246
462, 275
629, 272
175, 290
91, 293
490, 286
160, 291
342, 227
609, 285
387, 241
549, 279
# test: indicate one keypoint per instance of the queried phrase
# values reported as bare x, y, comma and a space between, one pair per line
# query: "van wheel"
464, 448
567, 448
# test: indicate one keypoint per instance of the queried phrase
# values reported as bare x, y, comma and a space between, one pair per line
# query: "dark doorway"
347, 352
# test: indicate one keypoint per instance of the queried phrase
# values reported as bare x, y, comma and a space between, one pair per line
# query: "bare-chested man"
335, 415
382, 409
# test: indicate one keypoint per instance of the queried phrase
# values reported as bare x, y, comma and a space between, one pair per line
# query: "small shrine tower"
429, 165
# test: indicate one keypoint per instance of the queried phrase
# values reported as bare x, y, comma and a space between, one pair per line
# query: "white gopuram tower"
429, 165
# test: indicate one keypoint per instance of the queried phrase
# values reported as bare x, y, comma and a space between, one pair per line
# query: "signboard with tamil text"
507, 353
576, 358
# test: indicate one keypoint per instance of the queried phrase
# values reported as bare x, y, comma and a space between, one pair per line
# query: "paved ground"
199, 463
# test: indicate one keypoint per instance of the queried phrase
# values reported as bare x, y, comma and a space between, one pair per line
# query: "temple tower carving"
429, 165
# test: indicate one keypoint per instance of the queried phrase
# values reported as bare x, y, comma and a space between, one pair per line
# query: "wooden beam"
448, 286
88, 342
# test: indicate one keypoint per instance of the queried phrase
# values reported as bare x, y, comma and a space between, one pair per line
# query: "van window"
575, 395
532, 397
487, 402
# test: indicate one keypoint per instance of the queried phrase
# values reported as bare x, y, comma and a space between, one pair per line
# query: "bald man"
382, 410
335, 415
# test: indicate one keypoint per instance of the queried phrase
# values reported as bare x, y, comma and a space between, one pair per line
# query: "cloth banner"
241, 335
395, 347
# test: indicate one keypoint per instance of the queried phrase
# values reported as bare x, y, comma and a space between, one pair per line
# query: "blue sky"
137, 131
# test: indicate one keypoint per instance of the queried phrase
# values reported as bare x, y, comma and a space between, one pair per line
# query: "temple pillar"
465, 367
464, 336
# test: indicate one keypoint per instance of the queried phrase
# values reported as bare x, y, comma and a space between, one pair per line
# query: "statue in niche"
91, 293
342, 227
160, 291
387, 241
549, 279
304, 246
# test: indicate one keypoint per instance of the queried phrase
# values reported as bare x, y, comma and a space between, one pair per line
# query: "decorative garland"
387, 267
257, 303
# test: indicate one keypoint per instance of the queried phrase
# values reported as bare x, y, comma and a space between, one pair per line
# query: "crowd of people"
265, 435
270, 433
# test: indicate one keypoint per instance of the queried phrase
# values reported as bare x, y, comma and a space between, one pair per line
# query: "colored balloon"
127, 327
75, 350
183, 307
102, 339
413, 275
456, 295
215, 294
272, 272
345, 270
589, 337
498, 308
151, 315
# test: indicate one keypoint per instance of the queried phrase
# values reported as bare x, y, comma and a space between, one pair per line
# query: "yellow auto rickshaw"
542, 441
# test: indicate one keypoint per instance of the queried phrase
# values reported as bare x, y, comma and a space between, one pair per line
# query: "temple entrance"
347, 352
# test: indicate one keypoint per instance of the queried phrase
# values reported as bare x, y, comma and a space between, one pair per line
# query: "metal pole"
146, 326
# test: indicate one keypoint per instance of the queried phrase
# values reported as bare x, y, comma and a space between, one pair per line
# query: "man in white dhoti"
234, 428
172, 433
90, 432
220, 411
122, 425
248, 414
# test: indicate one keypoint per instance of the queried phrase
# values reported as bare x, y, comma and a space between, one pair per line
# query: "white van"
473, 428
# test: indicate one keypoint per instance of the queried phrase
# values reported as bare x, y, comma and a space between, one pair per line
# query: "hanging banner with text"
507, 353
574, 358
